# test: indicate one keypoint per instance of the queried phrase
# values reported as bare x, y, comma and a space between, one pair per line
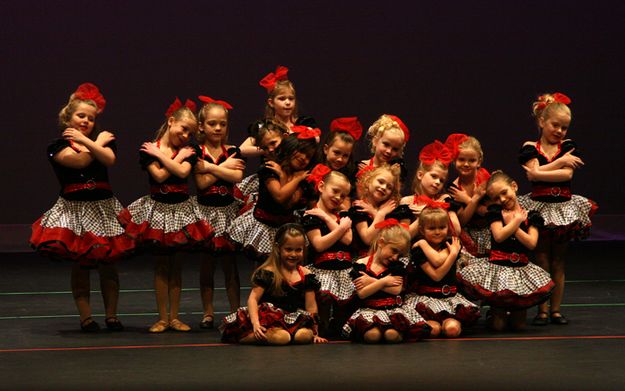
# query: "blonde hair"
335, 175
182, 113
395, 234
274, 262
281, 86
497, 176
431, 216
65, 115
382, 125
200, 136
368, 176
472, 143
545, 105
425, 168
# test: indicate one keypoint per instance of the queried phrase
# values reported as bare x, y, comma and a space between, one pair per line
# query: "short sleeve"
357, 215
146, 159
262, 278
527, 153
356, 269
454, 206
396, 268
494, 214
535, 219
234, 149
56, 146
569, 145
192, 160
265, 173
402, 212
311, 222
417, 256
311, 283
306, 121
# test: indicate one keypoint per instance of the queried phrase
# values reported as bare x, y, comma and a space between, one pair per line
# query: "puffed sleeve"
311, 283
527, 153
306, 121
263, 278
357, 214
356, 269
192, 159
254, 127
417, 256
234, 149
402, 165
146, 159
56, 146
402, 212
265, 173
535, 219
396, 268
569, 145
311, 222
454, 206
494, 214
197, 149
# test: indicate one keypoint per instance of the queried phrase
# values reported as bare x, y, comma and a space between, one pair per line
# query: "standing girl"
469, 192
330, 237
82, 225
550, 163
378, 279
281, 307
279, 195
166, 220
218, 168
389, 136
432, 277
429, 183
506, 279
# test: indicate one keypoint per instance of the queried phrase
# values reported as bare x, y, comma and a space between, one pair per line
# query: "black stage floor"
42, 348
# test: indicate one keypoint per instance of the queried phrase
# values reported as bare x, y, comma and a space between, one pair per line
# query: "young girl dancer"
378, 279
167, 221
279, 195
432, 277
468, 192
330, 237
389, 135
281, 307
506, 279
550, 163
82, 225
428, 184
219, 166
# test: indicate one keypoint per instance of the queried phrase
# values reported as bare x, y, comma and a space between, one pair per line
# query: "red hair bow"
403, 127
430, 203
317, 174
208, 99
304, 132
349, 125
89, 91
482, 176
269, 81
178, 104
556, 97
433, 152
453, 142
389, 223
364, 170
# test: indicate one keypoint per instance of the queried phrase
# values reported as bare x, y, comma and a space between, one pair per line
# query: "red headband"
433, 152
430, 203
349, 125
390, 223
402, 126
304, 132
89, 91
557, 97
177, 105
269, 81
453, 143
317, 174
208, 99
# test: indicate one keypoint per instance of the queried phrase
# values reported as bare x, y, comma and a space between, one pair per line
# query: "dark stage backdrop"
457, 66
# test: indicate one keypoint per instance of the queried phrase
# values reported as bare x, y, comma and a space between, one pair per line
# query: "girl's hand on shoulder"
454, 246
317, 212
363, 281
531, 172
259, 332
365, 206
275, 167
392, 281
104, 138
233, 162
388, 207
301, 175
416, 209
318, 339
362, 165
345, 223
508, 216
459, 195
570, 160
418, 243
74, 135
151, 149
184, 153
520, 216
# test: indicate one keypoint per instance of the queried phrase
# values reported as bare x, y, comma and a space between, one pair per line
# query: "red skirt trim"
465, 314
507, 298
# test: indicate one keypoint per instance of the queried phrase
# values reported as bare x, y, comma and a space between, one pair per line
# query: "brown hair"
281, 86
395, 234
430, 216
424, 168
201, 117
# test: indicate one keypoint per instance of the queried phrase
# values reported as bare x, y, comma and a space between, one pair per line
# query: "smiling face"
388, 146
333, 192
179, 131
271, 141
292, 251
432, 180
215, 126
83, 118
299, 161
467, 162
381, 187
283, 103
337, 154
554, 126
503, 193
388, 251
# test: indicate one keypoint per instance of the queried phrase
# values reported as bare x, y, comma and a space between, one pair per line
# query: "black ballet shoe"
113, 324
541, 319
559, 320
89, 326
207, 322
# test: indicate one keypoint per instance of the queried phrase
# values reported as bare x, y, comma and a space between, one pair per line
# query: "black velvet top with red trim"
313, 222
511, 244
93, 173
401, 212
224, 190
293, 295
529, 152
266, 202
394, 268
417, 277
166, 196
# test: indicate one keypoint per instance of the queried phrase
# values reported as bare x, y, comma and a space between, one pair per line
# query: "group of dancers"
339, 251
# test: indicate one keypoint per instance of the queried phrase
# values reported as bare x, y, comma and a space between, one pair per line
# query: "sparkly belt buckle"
515, 257
90, 185
556, 191
446, 290
398, 300
164, 189
222, 190
340, 255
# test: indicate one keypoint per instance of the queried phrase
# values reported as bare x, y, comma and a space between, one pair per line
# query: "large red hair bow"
433, 152
304, 132
389, 223
317, 174
349, 125
402, 126
208, 99
89, 91
482, 176
269, 81
556, 97
178, 104
430, 203
453, 143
